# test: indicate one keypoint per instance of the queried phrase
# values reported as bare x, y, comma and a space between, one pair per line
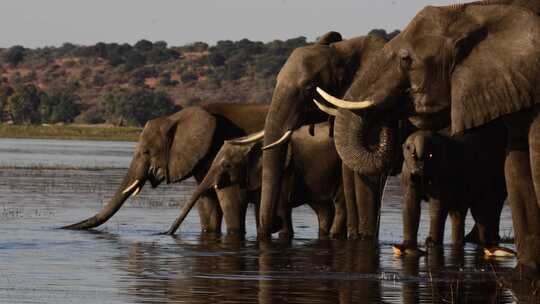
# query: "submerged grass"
80, 132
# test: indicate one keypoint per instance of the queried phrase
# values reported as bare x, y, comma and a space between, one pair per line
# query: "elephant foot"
367, 237
338, 236
431, 243
496, 252
407, 250
283, 235
524, 284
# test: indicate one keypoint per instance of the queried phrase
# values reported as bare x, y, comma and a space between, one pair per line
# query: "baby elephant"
311, 177
432, 171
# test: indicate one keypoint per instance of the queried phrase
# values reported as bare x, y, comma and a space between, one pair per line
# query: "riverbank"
78, 132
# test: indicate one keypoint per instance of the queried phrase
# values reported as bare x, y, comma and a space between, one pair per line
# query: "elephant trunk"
204, 186
284, 115
128, 187
368, 151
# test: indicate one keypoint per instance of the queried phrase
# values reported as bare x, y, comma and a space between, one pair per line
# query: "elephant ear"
329, 38
189, 136
496, 64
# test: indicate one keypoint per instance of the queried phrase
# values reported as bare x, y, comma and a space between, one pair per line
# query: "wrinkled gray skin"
311, 177
331, 63
467, 66
176, 147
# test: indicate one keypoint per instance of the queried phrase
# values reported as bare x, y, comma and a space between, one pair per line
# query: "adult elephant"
467, 66
174, 148
330, 63
312, 176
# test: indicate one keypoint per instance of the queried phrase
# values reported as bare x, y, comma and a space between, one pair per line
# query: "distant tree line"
30, 105
126, 84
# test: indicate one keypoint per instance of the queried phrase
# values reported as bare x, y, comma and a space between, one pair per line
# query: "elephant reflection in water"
449, 281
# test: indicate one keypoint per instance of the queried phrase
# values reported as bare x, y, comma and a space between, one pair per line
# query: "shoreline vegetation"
70, 132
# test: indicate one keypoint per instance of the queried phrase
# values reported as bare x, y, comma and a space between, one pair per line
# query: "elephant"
454, 174
173, 148
311, 176
331, 63
464, 66
432, 172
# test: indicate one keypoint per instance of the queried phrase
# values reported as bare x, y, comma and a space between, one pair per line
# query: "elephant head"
330, 63
462, 65
238, 163
168, 150
424, 152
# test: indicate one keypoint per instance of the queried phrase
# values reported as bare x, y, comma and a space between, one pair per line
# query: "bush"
59, 106
93, 115
23, 105
123, 107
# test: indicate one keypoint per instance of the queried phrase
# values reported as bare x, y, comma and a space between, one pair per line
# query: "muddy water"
124, 262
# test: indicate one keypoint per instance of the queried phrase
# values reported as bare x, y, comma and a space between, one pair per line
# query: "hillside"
126, 84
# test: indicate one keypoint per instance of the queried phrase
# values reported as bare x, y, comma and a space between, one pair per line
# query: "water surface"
125, 262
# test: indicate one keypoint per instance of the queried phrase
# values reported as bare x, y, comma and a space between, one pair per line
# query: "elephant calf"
432, 171
454, 174
311, 176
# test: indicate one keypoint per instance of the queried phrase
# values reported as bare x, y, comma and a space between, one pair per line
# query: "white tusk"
135, 184
325, 109
247, 139
283, 139
340, 103
137, 191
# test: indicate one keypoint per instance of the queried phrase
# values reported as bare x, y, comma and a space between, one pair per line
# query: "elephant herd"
450, 102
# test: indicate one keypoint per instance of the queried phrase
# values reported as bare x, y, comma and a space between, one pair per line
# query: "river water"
45, 184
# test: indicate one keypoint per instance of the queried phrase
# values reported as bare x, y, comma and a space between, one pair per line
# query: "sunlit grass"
69, 132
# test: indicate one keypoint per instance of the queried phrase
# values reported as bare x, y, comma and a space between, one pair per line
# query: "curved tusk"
340, 103
325, 109
247, 139
137, 191
280, 141
135, 184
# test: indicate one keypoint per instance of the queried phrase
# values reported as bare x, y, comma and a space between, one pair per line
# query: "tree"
135, 108
5, 92
59, 106
14, 55
23, 105
143, 45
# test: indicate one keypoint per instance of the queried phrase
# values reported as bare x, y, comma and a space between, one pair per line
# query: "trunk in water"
365, 148
204, 186
111, 208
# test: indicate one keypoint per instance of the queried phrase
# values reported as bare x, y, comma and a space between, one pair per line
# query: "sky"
39, 23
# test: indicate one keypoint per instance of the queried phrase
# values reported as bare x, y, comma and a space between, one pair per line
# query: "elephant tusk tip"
325, 109
280, 141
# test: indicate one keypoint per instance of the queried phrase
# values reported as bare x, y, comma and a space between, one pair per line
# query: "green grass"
70, 132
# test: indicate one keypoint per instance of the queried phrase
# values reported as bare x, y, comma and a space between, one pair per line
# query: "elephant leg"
486, 211
338, 229
411, 217
285, 215
210, 214
525, 211
350, 202
458, 227
325, 216
233, 203
368, 193
438, 212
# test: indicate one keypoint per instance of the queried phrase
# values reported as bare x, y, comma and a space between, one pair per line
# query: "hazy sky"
37, 23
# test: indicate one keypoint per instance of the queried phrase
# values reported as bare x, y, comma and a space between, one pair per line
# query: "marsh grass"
79, 132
